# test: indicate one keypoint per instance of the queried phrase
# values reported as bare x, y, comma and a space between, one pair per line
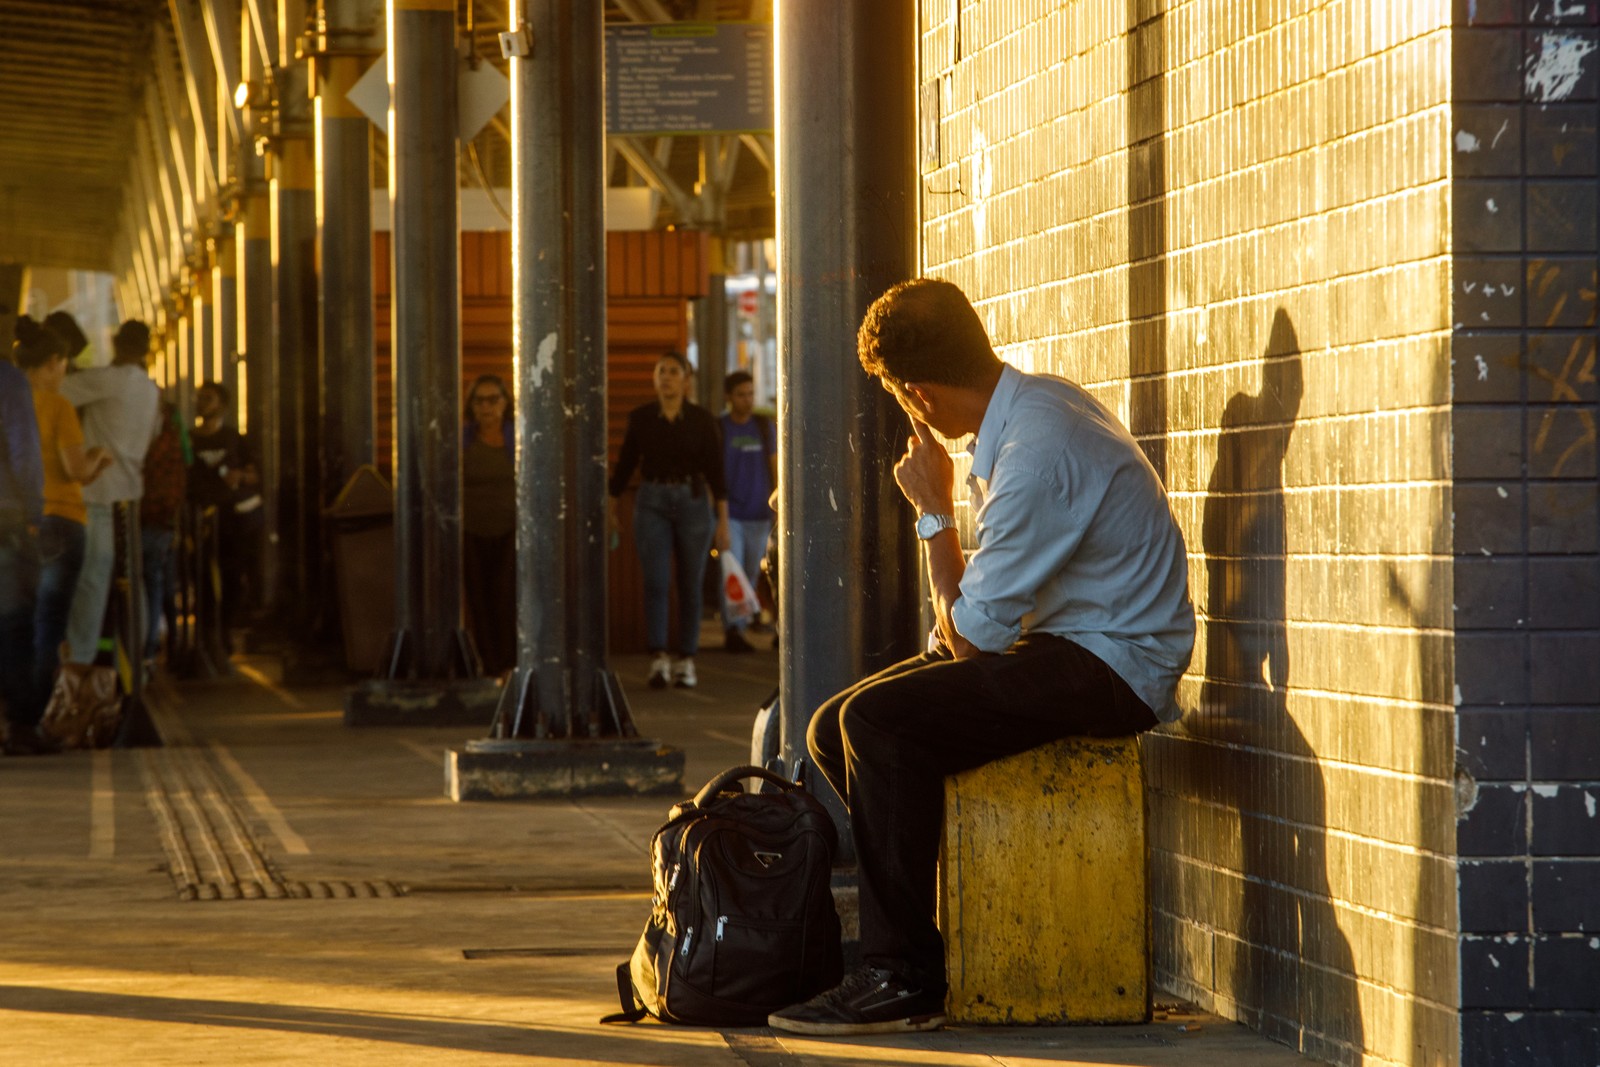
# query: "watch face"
928, 525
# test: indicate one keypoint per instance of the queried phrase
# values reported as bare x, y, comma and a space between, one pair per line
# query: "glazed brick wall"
1526, 596
1232, 221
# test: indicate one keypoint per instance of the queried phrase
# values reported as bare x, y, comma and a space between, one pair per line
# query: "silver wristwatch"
928, 525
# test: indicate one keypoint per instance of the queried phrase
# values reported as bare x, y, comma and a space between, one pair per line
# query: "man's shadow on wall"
1294, 973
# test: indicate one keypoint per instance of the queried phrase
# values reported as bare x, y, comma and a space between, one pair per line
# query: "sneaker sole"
915, 1024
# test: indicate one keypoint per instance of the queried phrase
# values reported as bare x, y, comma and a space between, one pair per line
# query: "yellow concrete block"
1042, 887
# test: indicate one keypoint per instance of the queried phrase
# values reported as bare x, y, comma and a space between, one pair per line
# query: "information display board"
688, 78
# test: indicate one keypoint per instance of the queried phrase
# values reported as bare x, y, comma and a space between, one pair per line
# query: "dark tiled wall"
1526, 230
1230, 221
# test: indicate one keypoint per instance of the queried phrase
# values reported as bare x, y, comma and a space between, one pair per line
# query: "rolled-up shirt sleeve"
1026, 532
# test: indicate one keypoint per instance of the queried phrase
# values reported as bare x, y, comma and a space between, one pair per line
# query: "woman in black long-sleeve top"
678, 446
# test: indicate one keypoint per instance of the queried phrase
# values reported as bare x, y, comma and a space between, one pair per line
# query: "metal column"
563, 725
429, 642
257, 40
225, 316
711, 328
294, 297
847, 216
561, 687
203, 320
258, 416
220, 22
344, 231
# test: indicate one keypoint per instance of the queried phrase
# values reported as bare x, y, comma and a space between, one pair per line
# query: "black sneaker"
870, 1000
733, 640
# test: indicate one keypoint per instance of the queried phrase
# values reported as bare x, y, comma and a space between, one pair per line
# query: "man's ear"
924, 396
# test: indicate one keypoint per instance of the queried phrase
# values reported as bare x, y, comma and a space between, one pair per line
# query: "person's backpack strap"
739, 774
632, 1011
764, 428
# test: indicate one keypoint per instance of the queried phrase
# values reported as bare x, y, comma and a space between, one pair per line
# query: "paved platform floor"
380, 923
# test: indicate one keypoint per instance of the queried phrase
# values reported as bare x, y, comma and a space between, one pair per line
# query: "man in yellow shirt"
42, 356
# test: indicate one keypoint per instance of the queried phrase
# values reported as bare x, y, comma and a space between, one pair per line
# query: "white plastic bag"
737, 592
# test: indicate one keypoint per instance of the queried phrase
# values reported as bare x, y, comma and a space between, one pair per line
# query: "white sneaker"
683, 673
660, 671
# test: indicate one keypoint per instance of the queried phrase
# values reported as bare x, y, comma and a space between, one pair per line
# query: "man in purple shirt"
750, 468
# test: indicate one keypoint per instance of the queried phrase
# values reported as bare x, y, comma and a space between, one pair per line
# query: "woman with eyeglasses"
489, 522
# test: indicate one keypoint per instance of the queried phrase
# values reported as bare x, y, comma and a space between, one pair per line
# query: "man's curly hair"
925, 330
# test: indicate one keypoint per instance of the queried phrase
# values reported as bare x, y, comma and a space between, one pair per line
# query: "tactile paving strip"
211, 852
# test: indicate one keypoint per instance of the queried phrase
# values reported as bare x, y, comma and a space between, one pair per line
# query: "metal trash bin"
362, 522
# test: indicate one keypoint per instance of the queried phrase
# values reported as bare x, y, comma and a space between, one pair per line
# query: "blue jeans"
88, 614
747, 543
60, 559
672, 529
19, 581
156, 550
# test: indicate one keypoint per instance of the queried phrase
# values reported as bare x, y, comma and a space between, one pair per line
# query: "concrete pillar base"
446, 702
493, 769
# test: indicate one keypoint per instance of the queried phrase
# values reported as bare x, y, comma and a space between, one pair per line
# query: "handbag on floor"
85, 708
742, 922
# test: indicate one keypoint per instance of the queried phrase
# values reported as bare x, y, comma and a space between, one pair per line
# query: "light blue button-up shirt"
1074, 538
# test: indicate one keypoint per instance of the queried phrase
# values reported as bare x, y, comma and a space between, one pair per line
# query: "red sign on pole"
749, 302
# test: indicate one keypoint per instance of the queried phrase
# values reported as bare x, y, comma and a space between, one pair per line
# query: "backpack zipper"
722, 921
688, 936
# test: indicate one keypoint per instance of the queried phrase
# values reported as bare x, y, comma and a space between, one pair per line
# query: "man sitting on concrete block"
1072, 617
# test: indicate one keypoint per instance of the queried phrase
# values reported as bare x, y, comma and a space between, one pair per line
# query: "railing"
196, 645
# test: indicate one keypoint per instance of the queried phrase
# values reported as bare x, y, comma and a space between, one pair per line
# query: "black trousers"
887, 743
489, 579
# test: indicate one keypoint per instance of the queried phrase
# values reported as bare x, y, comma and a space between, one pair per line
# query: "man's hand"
925, 473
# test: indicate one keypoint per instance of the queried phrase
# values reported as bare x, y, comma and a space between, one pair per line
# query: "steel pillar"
561, 687
847, 218
258, 416
225, 316
429, 642
205, 327
711, 330
294, 303
257, 42
563, 725
294, 295
13, 287
344, 236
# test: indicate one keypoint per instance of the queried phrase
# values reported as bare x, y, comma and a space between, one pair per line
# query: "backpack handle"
739, 774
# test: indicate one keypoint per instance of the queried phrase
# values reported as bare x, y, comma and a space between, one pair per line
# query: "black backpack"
742, 923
